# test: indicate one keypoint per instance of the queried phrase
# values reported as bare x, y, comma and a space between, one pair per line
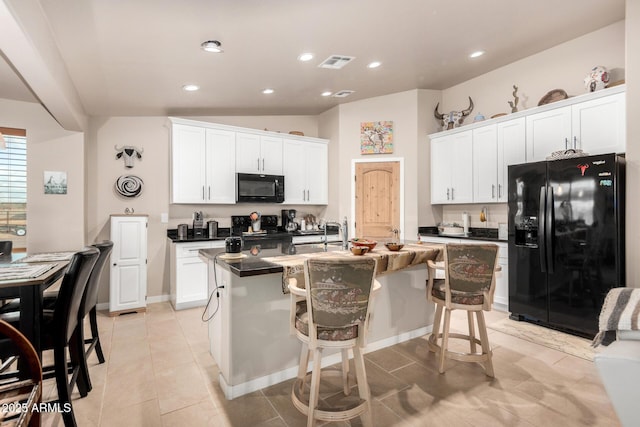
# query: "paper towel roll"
465, 222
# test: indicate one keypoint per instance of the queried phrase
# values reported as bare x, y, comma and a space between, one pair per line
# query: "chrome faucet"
344, 230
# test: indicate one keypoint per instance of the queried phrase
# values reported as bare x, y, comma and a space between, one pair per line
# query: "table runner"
24, 271
388, 261
46, 257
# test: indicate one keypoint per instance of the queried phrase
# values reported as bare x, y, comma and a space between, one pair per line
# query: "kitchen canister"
183, 231
212, 229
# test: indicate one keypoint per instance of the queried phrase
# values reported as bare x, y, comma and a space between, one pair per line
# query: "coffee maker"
287, 220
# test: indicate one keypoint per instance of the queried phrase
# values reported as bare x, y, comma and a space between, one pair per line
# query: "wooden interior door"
377, 199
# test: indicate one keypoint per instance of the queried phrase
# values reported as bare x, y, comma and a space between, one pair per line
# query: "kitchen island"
249, 326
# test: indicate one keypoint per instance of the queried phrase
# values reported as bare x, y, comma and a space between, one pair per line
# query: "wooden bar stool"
469, 285
333, 312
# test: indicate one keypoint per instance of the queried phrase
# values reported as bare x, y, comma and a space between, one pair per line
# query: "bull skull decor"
455, 118
128, 152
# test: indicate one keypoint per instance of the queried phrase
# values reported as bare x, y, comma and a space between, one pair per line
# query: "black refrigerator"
566, 240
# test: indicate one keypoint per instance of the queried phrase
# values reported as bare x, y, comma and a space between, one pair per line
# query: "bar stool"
339, 292
469, 285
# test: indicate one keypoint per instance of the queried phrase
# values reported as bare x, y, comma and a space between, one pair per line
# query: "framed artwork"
55, 182
376, 137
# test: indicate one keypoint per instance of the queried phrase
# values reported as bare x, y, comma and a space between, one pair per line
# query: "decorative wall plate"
129, 186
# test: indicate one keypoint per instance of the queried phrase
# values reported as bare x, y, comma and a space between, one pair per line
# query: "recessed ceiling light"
327, 93
190, 87
267, 91
212, 46
477, 54
305, 57
374, 64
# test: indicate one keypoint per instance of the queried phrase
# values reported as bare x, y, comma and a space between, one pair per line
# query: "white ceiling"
131, 57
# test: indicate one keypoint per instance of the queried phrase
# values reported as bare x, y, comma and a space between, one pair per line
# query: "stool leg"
302, 369
93, 321
436, 325
363, 385
486, 348
315, 387
445, 339
345, 371
472, 334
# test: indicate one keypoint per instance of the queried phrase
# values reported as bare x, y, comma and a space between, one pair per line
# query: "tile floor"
159, 373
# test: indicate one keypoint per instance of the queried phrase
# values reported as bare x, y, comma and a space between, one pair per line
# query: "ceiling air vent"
335, 62
343, 93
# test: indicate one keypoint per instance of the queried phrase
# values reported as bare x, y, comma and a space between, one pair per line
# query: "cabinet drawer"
185, 250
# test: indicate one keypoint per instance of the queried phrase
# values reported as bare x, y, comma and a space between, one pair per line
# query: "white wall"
54, 222
633, 141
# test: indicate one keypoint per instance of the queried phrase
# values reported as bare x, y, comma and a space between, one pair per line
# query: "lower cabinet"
128, 278
501, 294
188, 283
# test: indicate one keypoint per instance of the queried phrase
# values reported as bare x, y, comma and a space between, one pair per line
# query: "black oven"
255, 188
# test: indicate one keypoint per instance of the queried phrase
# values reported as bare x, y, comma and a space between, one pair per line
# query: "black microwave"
256, 188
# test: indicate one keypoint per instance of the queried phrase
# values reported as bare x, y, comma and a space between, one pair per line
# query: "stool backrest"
339, 290
471, 268
65, 315
6, 246
90, 298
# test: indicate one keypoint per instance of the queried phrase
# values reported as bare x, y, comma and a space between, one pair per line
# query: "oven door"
254, 188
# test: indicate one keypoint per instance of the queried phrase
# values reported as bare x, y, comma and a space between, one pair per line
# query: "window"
13, 187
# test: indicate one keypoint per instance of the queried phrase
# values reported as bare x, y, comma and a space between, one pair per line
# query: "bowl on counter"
359, 250
364, 242
394, 246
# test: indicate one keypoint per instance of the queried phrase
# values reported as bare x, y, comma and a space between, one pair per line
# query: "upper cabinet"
202, 165
205, 158
469, 164
451, 168
595, 126
306, 172
258, 154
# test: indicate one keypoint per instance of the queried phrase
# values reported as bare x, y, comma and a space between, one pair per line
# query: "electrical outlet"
164, 218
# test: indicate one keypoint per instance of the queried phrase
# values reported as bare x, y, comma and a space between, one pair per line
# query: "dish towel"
620, 312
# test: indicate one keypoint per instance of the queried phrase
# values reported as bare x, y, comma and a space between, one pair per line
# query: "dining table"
27, 278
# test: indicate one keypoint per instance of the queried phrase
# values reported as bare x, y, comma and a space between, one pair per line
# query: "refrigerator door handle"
548, 229
541, 229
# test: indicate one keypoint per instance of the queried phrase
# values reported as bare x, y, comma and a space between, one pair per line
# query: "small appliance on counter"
198, 224
287, 220
183, 231
212, 229
233, 245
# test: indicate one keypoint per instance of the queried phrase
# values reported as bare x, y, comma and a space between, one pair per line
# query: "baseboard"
231, 392
150, 300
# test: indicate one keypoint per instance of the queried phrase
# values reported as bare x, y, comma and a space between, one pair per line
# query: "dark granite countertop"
223, 233
252, 262
475, 233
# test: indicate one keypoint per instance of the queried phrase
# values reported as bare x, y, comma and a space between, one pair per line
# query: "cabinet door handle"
499, 190
308, 197
209, 192
258, 159
575, 142
303, 195
452, 193
566, 143
203, 192
493, 191
447, 194
263, 164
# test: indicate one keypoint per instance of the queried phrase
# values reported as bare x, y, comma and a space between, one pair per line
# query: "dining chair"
469, 285
59, 327
6, 247
332, 311
20, 389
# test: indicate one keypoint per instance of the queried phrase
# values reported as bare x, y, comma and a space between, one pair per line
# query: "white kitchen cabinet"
596, 126
188, 283
306, 172
128, 267
511, 137
501, 293
451, 168
485, 164
258, 154
202, 165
